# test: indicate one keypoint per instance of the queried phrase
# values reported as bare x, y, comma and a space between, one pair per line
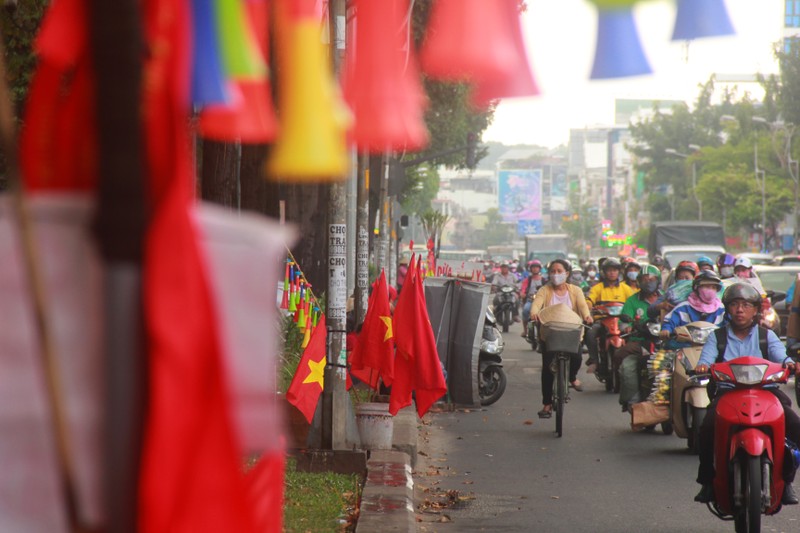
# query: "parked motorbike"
749, 443
504, 309
611, 338
689, 399
491, 376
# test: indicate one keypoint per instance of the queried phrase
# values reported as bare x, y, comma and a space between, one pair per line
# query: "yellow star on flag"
389, 333
317, 374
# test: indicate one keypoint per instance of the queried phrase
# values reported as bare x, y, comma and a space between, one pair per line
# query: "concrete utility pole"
335, 402
362, 238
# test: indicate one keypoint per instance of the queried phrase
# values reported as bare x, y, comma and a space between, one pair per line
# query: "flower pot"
375, 426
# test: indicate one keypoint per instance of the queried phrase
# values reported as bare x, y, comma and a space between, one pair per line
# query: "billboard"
520, 194
559, 188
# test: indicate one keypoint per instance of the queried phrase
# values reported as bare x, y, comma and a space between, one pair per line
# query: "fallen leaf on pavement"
528, 422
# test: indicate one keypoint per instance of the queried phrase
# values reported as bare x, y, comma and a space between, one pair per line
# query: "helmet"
743, 262
706, 277
741, 291
630, 262
610, 262
534, 262
650, 270
504, 264
657, 261
725, 260
563, 262
691, 266
704, 260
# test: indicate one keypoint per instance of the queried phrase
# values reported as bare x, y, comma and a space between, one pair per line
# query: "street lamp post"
695, 148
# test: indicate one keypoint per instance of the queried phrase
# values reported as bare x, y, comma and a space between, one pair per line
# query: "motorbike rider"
610, 290
725, 264
632, 270
590, 274
684, 273
530, 286
558, 291
742, 337
506, 278
576, 278
705, 263
702, 304
636, 309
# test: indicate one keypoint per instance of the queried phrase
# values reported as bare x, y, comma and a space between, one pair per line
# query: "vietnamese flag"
308, 380
417, 366
373, 354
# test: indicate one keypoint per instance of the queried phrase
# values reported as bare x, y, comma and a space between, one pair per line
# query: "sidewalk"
387, 503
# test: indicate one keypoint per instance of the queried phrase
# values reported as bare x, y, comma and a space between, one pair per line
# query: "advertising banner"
520, 194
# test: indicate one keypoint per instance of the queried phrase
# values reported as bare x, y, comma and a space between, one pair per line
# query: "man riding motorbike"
632, 270
636, 308
742, 337
506, 278
530, 285
725, 264
610, 290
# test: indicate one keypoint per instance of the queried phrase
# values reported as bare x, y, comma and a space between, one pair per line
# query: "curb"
387, 502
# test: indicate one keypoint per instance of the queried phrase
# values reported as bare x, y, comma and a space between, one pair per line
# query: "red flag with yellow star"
373, 355
308, 379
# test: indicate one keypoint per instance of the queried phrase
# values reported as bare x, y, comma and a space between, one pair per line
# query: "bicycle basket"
561, 336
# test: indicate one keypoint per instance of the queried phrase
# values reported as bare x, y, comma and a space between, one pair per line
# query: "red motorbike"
749, 440
611, 338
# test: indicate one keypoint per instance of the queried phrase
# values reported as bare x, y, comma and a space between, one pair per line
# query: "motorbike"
793, 351
611, 338
491, 376
634, 379
504, 310
749, 443
689, 399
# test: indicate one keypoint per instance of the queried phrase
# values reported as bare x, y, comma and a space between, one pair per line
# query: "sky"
560, 39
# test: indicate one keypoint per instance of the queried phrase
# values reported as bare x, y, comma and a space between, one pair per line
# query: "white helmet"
743, 262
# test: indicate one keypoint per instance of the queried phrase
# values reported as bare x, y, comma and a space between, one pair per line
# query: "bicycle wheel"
561, 393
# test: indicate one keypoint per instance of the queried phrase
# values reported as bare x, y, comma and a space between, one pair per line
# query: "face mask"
592, 274
743, 274
707, 294
726, 272
650, 287
577, 278
559, 279
632, 275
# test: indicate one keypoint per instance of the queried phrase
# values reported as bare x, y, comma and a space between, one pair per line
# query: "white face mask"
559, 279
726, 271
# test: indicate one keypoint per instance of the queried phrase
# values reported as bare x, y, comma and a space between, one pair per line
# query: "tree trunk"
219, 173
253, 182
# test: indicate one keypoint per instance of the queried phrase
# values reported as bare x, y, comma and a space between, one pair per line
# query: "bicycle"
562, 341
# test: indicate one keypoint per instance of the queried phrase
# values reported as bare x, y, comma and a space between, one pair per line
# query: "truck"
546, 247
683, 240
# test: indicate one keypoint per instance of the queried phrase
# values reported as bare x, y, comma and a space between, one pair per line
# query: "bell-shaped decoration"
619, 51
520, 81
701, 18
208, 76
311, 144
240, 51
451, 50
248, 118
381, 80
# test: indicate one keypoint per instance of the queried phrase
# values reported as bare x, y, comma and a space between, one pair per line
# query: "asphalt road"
501, 468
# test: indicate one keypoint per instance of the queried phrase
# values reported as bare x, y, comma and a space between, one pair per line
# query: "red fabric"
191, 475
58, 141
305, 396
417, 367
265, 492
374, 353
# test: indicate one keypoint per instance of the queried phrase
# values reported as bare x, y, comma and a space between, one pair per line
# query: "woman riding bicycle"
558, 291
